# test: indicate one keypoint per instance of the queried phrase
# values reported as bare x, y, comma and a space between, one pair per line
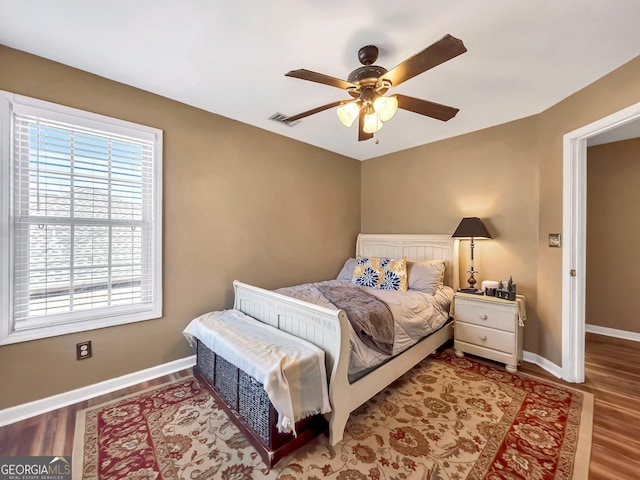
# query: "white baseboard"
37, 407
543, 363
612, 332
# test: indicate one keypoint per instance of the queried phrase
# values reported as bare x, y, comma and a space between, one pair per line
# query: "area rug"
447, 418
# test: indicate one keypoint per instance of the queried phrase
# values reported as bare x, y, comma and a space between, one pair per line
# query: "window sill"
75, 327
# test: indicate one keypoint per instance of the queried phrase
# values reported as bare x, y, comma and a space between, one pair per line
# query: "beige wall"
239, 202
509, 175
613, 227
490, 174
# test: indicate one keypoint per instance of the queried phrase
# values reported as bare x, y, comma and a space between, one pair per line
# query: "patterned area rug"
447, 418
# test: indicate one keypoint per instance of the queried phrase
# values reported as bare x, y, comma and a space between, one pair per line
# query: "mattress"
415, 314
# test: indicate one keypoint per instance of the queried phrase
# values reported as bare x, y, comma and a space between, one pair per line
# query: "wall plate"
555, 240
83, 350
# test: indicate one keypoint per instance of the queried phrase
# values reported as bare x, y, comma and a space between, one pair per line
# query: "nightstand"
489, 327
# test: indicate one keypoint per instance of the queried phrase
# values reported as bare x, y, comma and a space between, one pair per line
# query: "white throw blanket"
291, 370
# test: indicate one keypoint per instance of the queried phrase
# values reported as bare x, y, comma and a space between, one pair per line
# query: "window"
80, 218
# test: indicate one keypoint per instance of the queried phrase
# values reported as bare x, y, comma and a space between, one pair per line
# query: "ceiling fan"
368, 84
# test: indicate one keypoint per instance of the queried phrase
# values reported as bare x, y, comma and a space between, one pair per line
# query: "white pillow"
426, 275
347, 270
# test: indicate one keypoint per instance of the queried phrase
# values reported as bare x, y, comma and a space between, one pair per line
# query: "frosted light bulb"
372, 123
386, 107
348, 112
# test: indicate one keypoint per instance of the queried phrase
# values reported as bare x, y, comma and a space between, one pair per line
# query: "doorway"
574, 215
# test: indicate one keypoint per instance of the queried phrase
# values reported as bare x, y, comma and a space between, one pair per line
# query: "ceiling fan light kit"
386, 107
348, 112
372, 123
369, 83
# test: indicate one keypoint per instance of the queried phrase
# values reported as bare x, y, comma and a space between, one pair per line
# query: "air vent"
281, 117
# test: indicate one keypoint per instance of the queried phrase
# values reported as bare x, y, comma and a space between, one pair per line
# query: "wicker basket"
225, 381
251, 408
206, 362
255, 407
243, 394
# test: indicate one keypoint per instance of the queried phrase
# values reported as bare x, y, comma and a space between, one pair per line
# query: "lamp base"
471, 280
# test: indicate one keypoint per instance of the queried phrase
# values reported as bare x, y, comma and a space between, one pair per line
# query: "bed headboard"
414, 247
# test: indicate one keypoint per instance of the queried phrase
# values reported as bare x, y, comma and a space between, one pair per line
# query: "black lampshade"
471, 227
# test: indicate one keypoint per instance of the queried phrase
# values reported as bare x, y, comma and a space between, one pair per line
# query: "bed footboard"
323, 327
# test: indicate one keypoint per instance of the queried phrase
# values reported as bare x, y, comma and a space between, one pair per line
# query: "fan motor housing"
366, 75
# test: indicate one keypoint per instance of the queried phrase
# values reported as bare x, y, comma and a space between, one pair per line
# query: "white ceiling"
230, 57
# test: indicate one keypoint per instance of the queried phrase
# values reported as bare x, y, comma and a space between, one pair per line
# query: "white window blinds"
84, 223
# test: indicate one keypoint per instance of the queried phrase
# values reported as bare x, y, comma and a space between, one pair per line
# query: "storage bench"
248, 406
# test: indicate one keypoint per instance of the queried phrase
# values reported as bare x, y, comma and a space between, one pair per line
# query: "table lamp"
471, 227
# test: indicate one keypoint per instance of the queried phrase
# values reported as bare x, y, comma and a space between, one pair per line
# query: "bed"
329, 328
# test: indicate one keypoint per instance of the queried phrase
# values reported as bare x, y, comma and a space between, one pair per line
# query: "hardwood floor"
612, 369
52, 433
612, 374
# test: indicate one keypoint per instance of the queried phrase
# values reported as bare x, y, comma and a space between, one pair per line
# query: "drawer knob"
483, 338
483, 316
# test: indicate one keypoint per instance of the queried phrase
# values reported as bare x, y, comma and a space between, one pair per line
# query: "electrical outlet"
83, 350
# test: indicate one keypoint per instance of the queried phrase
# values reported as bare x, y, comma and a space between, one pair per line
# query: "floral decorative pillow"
381, 272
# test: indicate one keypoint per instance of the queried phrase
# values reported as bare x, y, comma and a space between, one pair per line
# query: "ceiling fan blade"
444, 49
362, 135
425, 107
319, 78
293, 118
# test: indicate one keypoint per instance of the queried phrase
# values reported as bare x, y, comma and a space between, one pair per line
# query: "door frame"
574, 232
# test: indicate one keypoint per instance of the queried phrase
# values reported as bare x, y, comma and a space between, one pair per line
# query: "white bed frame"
328, 329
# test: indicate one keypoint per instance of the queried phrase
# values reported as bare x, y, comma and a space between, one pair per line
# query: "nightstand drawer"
486, 314
485, 337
